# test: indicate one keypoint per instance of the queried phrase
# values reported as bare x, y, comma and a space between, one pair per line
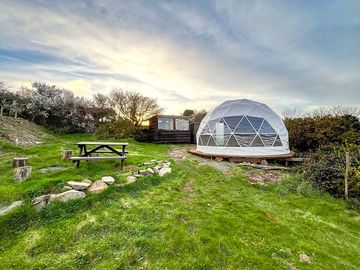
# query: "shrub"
121, 128
326, 171
309, 133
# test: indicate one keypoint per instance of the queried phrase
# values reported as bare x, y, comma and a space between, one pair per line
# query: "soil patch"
20, 132
262, 176
178, 154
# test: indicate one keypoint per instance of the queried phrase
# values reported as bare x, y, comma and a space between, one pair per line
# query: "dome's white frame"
238, 110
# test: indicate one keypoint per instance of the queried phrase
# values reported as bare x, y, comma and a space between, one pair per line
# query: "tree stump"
67, 154
22, 173
20, 162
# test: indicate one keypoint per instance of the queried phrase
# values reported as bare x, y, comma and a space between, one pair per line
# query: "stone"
166, 165
22, 173
7, 209
67, 196
78, 185
150, 170
39, 206
41, 198
156, 169
138, 175
130, 179
164, 171
53, 169
108, 180
264, 162
304, 258
66, 188
87, 181
97, 187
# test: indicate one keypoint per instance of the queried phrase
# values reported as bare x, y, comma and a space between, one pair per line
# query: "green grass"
195, 218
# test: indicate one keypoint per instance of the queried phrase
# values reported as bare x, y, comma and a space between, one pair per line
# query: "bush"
309, 133
121, 128
326, 171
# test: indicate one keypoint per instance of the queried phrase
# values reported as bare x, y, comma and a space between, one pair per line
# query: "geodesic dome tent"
242, 128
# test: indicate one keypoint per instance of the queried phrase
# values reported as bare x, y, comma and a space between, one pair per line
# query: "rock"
78, 185
108, 180
97, 187
53, 169
67, 196
264, 162
156, 169
66, 188
304, 258
130, 179
41, 198
166, 165
138, 175
7, 209
164, 171
150, 170
87, 181
143, 172
39, 206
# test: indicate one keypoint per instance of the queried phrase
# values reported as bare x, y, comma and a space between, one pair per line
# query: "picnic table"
100, 148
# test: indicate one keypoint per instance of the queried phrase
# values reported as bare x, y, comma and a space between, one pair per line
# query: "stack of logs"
22, 170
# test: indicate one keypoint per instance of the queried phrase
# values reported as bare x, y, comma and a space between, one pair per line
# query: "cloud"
188, 54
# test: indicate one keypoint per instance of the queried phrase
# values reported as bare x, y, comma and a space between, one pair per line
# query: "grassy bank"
195, 218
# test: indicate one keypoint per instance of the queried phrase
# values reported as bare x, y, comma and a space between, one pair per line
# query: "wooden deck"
254, 159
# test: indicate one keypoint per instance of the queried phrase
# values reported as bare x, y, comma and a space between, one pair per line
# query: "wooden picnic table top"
103, 143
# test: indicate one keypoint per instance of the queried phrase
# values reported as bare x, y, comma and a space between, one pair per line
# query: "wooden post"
19, 162
67, 154
22, 173
347, 168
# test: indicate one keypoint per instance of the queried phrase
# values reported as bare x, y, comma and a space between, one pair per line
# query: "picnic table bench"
100, 148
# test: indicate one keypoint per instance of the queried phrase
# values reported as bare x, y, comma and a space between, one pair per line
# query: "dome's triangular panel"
266, 128
244, 126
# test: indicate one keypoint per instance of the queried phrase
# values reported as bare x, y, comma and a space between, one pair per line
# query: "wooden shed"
169, 129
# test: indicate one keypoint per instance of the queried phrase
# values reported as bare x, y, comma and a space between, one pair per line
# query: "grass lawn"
195, 218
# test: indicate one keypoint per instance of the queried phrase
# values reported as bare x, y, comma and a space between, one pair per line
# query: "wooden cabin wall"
167, 136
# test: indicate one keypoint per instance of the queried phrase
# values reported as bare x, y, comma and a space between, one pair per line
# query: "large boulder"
108, 180
78, 185
7, 209
67, 196
97, 186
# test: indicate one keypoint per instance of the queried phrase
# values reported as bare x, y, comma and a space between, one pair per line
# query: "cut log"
263, 166
20, 162
22, 173
67, 154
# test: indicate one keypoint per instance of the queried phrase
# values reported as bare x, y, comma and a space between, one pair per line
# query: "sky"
188, 54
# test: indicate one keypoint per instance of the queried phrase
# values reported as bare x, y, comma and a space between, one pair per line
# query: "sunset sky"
188, 54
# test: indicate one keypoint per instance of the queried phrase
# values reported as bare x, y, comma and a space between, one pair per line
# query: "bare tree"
289, 113
134, 106
336, 111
